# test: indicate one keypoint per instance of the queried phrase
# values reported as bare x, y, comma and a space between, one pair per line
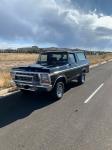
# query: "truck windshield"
53, 59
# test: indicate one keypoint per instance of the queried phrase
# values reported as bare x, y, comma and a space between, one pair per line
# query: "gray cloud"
56, 22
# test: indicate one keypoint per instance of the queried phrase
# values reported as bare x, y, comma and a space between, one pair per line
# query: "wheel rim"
59, 90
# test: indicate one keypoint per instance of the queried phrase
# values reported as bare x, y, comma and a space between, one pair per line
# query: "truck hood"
40, 68
32, 68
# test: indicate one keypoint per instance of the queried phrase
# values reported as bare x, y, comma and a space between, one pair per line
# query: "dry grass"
17, 57
5, 80
94, 59
9, 60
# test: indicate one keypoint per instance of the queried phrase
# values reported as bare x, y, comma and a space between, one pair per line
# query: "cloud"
56, 22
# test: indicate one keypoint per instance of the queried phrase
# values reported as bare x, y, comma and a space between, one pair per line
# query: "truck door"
72, 73
81, 61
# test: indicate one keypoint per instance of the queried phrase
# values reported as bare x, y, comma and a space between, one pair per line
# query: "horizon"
88, 50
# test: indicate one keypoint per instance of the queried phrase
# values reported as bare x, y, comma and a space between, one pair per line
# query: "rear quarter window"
81, 56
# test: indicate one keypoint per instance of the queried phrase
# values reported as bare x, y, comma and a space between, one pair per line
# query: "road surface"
81, 120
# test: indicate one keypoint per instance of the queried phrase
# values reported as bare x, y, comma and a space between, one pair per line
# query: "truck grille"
24, 78
27, 78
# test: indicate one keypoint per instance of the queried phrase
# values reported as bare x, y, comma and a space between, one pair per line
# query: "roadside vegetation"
9, 60
94, 59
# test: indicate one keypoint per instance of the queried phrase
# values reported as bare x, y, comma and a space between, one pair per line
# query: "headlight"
45, 79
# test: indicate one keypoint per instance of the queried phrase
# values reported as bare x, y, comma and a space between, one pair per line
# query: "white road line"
91, 96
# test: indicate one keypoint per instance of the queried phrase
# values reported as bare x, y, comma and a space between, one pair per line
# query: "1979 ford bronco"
52, 71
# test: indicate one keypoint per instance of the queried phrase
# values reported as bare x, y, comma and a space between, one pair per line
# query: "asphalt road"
81, 120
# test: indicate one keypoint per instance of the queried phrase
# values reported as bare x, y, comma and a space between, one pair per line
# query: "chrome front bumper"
32, 87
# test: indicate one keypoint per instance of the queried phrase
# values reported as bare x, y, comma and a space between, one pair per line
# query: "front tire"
58, 90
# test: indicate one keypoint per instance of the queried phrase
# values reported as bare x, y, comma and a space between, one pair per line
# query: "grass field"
94, 59
9, 60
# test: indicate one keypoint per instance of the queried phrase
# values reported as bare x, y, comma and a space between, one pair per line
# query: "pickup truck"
52, 72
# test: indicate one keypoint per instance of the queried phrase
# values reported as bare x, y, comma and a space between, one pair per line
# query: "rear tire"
58, 90
81, 79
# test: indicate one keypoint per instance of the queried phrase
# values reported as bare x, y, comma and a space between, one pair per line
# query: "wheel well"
63, 79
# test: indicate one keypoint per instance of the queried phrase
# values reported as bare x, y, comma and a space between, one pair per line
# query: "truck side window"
72, 59
81, 56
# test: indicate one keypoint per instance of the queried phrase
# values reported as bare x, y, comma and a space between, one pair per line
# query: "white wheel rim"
59, 90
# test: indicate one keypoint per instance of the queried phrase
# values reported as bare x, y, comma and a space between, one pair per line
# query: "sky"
85, 24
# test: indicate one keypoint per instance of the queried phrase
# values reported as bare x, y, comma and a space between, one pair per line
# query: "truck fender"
62, 77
